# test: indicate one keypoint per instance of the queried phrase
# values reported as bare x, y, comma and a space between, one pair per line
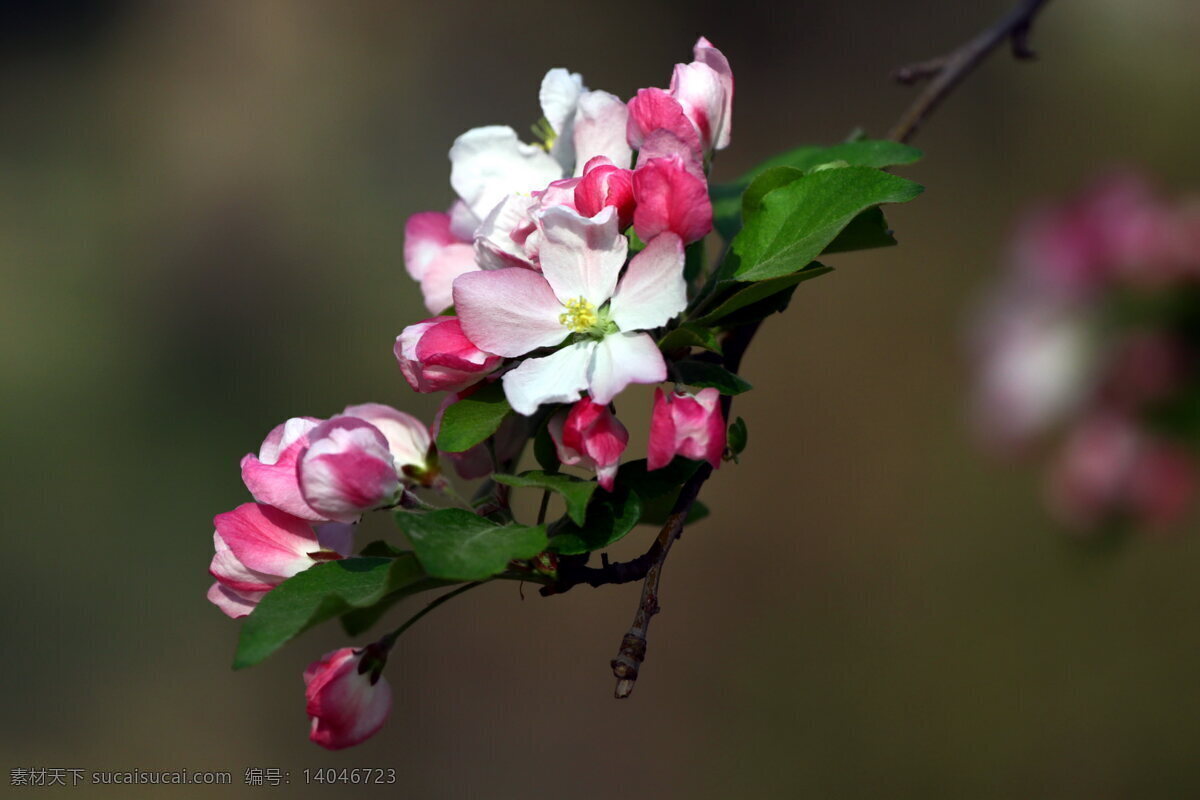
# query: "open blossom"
590, 436
576, 297
258, 547
347, 705
436, 356
688, 425
697, 109
347, 469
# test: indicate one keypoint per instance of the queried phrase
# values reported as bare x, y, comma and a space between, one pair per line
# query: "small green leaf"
705, 374
737, 295
727, 197
800, 219
738, 436
454, 544
610, 517
473, 419
575, 492
766, 182
658, 489
319, 593
689, 334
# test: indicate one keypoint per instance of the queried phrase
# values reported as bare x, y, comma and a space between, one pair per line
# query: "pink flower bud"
670, 197
258, 547
589, 436
347, 706
697, 109
605, 184
688, 425
436, 356
348, 469
408, 439
271, 477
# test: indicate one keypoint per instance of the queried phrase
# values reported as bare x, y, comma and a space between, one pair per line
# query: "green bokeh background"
201, 230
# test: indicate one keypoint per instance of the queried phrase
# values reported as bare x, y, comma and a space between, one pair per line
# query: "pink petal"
661, 444
705, 53
653, 289
348, 469
508, 312
345, 707
425, 236
235, 604
437, 286
654, 109
407, 437
669, 198
276, 484
698, 89
267, 540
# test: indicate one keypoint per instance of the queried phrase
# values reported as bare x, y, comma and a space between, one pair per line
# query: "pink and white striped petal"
348, 469
345, 706
235, 604
407, 437
265, 540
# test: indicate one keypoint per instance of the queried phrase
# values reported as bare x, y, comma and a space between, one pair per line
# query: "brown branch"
946, 72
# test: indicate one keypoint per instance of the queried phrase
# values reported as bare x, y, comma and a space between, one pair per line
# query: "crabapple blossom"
347, 469
436, 356
670, 197
347, 698
688, 425
590, 436
271, 475
258, 546
408, 439
577, 297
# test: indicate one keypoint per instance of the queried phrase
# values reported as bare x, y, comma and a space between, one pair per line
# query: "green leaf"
454, 544
689, 334
610, 517
800, 219
473, 419
767, 182
737, 295
867, 231
705, 374
658, 489
727, 198
738, 436
575, 491
319, 593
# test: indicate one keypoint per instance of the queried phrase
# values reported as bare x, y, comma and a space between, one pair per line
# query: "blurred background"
201, 218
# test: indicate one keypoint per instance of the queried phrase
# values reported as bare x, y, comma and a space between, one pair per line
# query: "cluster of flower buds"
550, 274
558, 259
1092, 343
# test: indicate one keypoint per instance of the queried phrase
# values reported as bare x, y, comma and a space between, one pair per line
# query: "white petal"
653, 289
600, 123
559, 96
508, 311
557, 378
622, 359
486, 164
463, 221
582, 256
495, 247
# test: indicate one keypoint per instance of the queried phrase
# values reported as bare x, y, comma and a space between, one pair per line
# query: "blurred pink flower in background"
1090, 344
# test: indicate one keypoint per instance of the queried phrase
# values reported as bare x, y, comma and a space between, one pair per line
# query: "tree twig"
946, 72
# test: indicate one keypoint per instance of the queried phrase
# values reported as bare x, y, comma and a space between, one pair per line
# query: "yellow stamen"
580, 315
